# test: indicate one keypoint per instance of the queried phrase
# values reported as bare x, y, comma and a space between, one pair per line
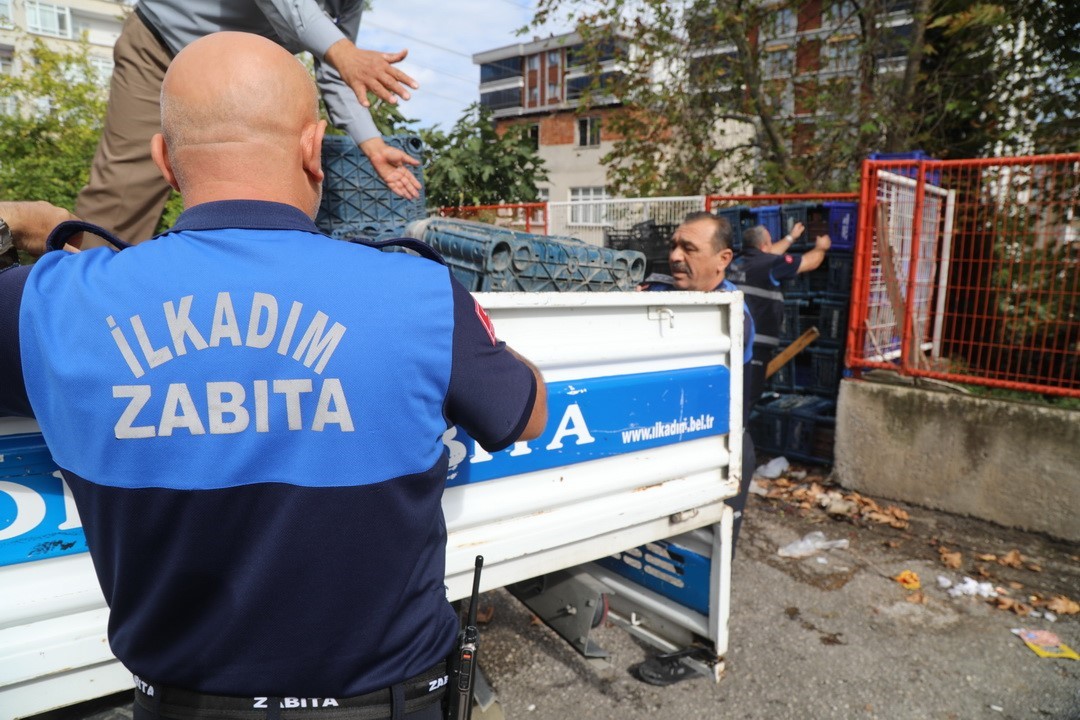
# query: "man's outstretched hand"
370, 71
392, 166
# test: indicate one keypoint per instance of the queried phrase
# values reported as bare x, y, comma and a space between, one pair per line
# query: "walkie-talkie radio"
464, 670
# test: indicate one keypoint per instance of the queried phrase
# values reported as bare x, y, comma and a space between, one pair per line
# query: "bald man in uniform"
250, 419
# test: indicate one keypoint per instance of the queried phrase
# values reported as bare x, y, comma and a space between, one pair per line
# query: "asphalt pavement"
828, 636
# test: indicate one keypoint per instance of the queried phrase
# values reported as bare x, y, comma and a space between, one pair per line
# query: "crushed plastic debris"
773, 469
973, 588
1045, 644
757, 488
943, 582
811, 544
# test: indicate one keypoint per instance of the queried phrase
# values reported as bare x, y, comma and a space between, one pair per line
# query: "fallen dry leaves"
836, 503
1062, 605
1013, 558
950, 559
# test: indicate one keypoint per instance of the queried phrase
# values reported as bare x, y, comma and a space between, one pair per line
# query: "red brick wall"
560, 128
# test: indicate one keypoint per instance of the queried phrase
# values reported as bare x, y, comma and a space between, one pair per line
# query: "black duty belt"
416, 693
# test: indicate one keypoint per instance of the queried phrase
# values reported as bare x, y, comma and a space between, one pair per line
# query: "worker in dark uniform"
758, 272
250, 414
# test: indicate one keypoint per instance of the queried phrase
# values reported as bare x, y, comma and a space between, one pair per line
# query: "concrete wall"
1011, 463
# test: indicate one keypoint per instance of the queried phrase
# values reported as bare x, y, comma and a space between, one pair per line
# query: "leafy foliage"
47, 145
475, 165
720, 93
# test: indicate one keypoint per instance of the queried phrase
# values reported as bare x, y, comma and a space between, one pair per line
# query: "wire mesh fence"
967, 270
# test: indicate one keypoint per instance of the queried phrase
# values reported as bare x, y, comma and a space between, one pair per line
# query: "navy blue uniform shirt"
249, 416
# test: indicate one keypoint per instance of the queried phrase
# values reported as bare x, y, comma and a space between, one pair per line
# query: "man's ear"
160, 152
311, 150
725, 257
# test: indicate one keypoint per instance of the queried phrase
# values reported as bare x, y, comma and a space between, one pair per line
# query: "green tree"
475, 165
48, 141
720, 92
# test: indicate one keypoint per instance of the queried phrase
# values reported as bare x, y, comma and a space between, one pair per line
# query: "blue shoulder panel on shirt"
218, 368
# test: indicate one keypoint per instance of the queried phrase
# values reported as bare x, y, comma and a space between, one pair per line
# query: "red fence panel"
969, 271
527, 217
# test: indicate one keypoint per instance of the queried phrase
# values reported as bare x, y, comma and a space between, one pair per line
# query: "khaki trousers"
126, 192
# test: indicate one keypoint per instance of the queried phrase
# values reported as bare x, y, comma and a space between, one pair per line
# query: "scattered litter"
997, 708
757, 488
821, 560
918, 598
773, 469
837, 503
909, 579
811, 544
798, 475
531, 708
1049, 616
943, 582
1046, 644
974, 589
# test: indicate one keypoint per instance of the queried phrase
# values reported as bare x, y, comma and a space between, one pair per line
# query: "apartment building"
802, 45
540, 84
60, 24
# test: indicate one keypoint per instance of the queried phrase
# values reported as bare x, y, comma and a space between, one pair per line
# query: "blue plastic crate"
740, 218
827, 367
796, 319
843, 220
838, 270
813, 216
354, 194
370, 231
489, 258
811, 432
797, 287
933, 176
769, 216
668, 569
832, 321
769, 421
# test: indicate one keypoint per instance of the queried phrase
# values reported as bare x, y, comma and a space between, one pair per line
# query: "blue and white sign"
38, 518
602, 417
588, 420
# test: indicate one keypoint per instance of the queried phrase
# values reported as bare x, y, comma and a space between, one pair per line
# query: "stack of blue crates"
356, 205
492, 259
797, 416
741, 218
647, 237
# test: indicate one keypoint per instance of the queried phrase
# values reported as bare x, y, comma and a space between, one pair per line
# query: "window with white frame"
5, 14
48, 19
840, 54
587, 206
533, 63
553, 93
777, 61
588, 132
8, 104
103, 67
553, 58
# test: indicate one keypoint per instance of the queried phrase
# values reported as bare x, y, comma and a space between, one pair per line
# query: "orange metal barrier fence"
969, 271
527, 217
